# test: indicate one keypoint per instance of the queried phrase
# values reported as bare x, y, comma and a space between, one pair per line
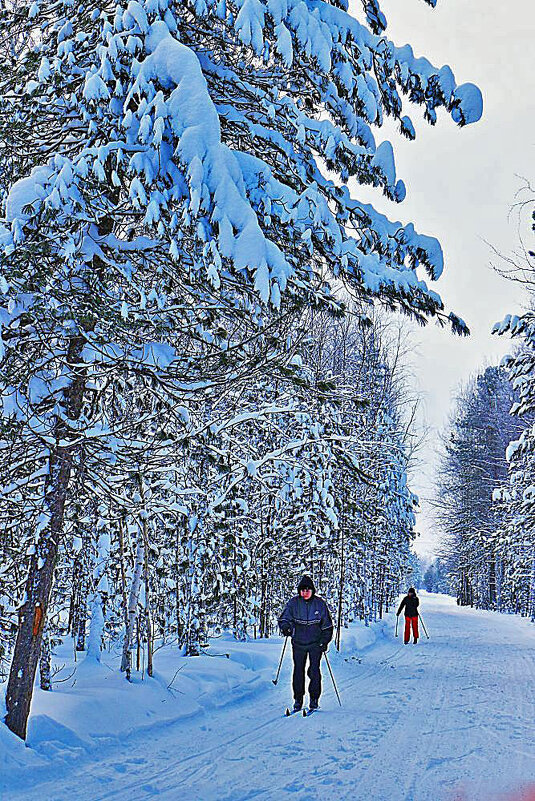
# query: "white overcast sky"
461, 185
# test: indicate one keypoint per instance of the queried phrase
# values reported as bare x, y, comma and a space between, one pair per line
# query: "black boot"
298, 705
313, 703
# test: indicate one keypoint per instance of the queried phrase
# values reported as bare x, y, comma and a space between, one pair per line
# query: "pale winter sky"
461, 185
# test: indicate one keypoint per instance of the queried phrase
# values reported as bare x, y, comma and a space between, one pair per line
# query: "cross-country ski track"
449, 719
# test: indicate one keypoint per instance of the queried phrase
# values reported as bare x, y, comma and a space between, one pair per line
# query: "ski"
289, 712
308, 712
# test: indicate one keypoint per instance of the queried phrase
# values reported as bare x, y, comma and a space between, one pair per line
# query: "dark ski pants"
314, 674
411, 621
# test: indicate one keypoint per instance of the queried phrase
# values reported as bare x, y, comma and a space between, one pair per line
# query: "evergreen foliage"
473, 467
435, 578
516, 499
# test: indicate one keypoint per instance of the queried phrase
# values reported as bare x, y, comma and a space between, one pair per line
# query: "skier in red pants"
411, 603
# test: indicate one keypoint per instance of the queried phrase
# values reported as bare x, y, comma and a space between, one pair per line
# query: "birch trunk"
44, 662
340, 592
132, 606
122, 526
148, 619
531, 610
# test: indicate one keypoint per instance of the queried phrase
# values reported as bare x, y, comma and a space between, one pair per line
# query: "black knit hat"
306, 583
411, 591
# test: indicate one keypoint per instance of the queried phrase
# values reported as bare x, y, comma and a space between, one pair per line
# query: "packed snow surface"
450, 719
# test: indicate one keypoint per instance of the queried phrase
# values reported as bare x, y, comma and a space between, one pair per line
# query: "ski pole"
423, 625
332, 677
397, 620
275, 680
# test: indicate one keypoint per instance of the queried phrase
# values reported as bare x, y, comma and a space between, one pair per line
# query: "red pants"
408, 622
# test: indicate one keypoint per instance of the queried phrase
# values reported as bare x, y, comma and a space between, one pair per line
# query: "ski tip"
304, 713
287, 713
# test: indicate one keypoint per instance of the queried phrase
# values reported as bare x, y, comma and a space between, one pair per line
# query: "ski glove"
287, 632
324, 646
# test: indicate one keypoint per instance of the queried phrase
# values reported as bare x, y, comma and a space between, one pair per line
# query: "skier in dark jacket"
307, 620
410, 603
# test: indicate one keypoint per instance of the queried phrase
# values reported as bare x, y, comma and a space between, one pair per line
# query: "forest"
203, 383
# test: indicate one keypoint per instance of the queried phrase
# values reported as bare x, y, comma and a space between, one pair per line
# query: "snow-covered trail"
450, 718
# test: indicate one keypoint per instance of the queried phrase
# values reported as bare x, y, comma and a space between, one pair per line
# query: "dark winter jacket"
309, 622
411, 603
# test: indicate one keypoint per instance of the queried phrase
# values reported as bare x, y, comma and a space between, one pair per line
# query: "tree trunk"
44, 662
41, 573
492, 583
138, 645
96, 627
340, 591
148, 620
178, 576
81, 616
531, 608
122, 526
132, 605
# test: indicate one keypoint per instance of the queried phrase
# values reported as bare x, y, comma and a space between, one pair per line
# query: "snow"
14, 756
156, 355
470, 102
384, 161
95, 88
25, 192
450, 718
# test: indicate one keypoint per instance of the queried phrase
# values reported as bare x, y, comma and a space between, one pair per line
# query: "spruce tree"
516, 500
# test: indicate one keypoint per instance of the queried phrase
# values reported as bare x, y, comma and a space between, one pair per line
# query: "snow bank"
14, 755
359, 637
92, 703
